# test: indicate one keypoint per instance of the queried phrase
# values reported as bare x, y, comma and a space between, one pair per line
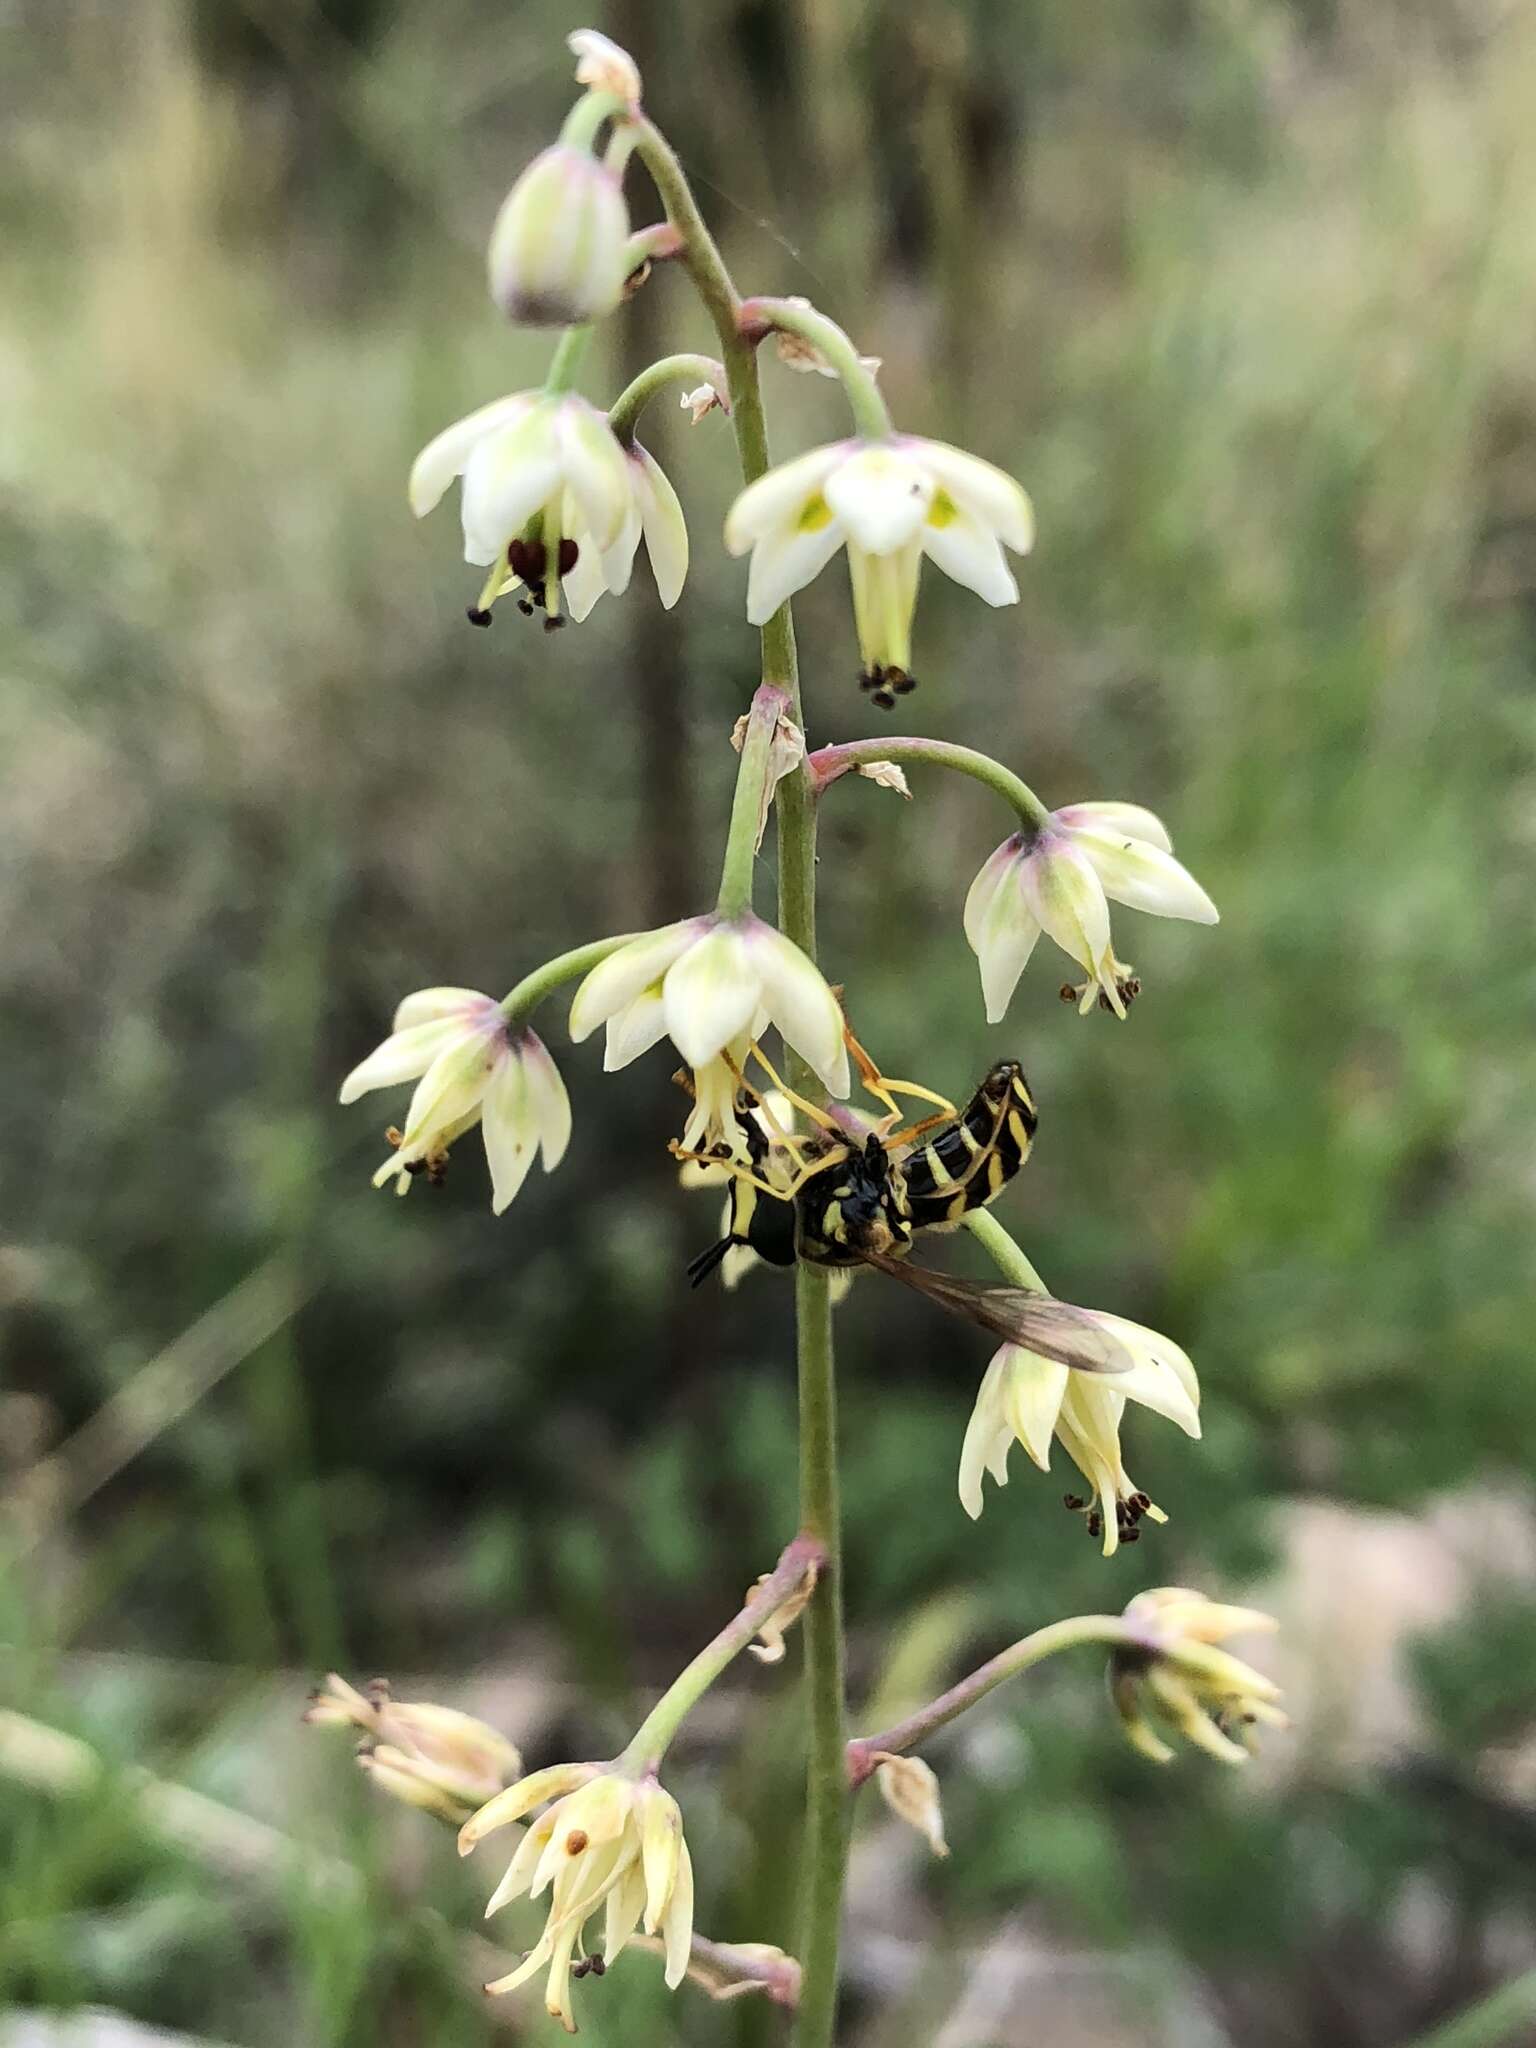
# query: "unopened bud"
911, 1791
559, 251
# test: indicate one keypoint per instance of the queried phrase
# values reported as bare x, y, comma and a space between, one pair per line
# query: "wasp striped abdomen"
969, 1163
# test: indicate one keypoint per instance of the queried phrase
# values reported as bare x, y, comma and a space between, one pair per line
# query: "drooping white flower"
545, 482
469, 1069
602, 66
1028, 1399
1058, 881
891, 502
706, 982
607, 1842
433, 1757
559, 250
1171, 1664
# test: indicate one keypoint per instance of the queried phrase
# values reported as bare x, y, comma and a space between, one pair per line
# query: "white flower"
607, 1841
1058, 880
705, 982
1027, 1399
1169, 1663
469, 1069
559, 251
603, 66
545, 483
891, 501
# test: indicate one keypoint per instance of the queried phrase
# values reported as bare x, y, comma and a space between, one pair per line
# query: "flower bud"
559, 251
910, 1789
429, 1756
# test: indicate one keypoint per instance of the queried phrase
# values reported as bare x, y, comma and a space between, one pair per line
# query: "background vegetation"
1244, 290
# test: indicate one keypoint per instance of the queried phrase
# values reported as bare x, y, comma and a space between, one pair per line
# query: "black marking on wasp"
841, 1204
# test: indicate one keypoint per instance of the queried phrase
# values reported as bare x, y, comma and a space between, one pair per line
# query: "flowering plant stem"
519, 1004
679, 369
565, 364
864, 1751
654, 1735
828, 763
871, 415
1003, 1252
825, 1849
748, 806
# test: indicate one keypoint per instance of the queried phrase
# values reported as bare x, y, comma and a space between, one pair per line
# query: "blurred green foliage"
1244, 292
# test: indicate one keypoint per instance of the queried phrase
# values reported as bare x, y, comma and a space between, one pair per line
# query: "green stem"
871, 415
521, 1002
826, 1784
828, 763
864, 1751
680, 369
565, 364
1003, 1252
579, 129
654, 1736
749, 806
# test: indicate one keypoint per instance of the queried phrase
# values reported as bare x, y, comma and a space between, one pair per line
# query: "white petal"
711, 994
1162, 1379
586, 581
987, 1437
783, 563
1005, 937
447, 1096
624, 1906
776, 500
970, 554
508, 478
510, 1130
986, 492
666, 530
405, 1056
427, 1005
1111, 816
1063, 892
995, 870
881, 497
801, 1006
593, 465
1141, 875
444, 458
548, 1101
616, 981
635, 1029
1033, 1394
661, 1843
677, 1922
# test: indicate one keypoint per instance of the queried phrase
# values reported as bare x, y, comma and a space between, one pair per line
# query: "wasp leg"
920, 1130
731, 1166
817, 1116
885, 1090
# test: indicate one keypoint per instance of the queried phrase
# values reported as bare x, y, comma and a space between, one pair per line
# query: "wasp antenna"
699, 1269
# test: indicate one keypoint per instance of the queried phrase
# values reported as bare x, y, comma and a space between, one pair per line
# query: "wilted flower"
1171, 1665
429, 1756
602, 66
910, 1789
706, 981
703, 400
795, 352
559, 251
470, 1068
606, 1841
768, 1648
892, 501
545, 482
1026, 1398
1056, 880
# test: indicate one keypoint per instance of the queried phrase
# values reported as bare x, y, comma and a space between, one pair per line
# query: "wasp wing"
1038, 1322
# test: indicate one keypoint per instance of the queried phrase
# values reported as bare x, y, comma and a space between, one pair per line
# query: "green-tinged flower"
559, 252
1028, 1399
602, 66
891, 502
911, 1790
605, 1841
551, 500
1057, 879
470, 1068
711, 983
429, 1756
1172, 1667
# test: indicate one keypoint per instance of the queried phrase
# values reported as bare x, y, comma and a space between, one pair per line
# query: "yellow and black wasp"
833, 1199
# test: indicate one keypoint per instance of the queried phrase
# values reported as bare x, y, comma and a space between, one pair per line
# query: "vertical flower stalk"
820, 1515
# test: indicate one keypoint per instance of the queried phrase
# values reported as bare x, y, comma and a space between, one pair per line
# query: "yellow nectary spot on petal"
943, 511
815, 514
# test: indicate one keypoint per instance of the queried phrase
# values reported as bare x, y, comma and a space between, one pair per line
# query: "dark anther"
883, 698
580, 1969
437, 1170
476, 616
568, 555
415, 1167
897, 679
525, 607
526, 558
554, 622
1140, 1502
1074, 1501
1095, 1524
596, 1965
1131, 1535
1067, 992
